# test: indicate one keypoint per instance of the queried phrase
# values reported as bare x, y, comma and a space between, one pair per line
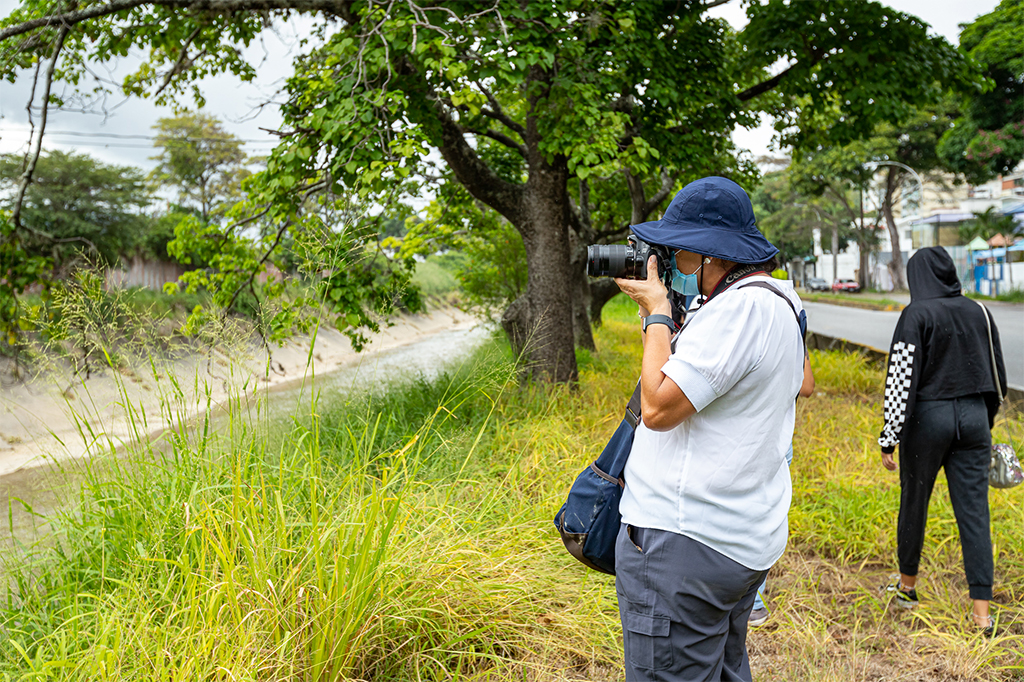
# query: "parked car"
849, 285
816, 284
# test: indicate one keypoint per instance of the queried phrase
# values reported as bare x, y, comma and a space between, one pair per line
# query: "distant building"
933, 217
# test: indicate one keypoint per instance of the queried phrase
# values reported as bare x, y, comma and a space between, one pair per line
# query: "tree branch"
30, 168
666, 186
498, 137
339, 8
499, 114
179, 63
765, 86
715, 3
472, 172
266, 256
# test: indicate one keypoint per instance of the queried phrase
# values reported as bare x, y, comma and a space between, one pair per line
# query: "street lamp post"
917, 178
835, 238
897, 257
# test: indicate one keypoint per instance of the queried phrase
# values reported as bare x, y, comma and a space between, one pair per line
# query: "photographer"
707, 489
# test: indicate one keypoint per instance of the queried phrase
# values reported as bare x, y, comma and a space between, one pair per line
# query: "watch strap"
660, 319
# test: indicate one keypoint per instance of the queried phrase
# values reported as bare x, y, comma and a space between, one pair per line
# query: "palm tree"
986, 225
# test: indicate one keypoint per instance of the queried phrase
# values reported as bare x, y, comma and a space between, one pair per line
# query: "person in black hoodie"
940, 403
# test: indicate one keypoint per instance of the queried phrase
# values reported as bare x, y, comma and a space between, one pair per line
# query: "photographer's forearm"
662, 404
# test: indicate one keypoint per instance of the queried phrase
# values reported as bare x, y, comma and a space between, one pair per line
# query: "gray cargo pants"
684, 608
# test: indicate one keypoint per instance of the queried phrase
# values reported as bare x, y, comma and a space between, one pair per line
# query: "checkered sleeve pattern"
897, 392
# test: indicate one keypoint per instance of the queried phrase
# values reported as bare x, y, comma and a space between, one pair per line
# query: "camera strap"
738, 272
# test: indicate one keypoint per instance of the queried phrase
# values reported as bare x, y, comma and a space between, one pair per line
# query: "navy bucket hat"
711, 217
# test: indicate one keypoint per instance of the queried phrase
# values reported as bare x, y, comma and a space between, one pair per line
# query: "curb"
1014, 394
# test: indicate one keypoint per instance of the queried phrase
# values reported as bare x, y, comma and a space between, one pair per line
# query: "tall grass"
405, 534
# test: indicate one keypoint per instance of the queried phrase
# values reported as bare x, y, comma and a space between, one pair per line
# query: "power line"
110, 144
142, 137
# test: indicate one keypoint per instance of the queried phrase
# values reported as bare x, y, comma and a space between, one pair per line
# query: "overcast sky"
238, 104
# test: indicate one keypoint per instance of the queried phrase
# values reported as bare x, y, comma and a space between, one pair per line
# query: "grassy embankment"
852, 300
1015, 296
407, 536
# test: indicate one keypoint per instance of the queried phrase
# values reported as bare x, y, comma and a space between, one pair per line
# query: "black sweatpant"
953, 434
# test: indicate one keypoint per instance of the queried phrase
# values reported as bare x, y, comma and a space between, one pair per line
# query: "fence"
140, 272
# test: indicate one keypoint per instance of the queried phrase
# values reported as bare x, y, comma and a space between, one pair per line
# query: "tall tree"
79, 206
201, 160
912, 144
988, 139
841, 175
789, 218
571, 86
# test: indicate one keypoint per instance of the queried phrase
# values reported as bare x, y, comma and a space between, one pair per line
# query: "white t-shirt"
720, 477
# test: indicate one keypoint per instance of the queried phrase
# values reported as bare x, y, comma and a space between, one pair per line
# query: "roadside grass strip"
405, 534
853, 301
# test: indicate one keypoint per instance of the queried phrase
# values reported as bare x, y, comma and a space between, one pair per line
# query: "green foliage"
915, 140
491, 261
20, 269
988, 139
160, 234
78, 205
788, 218
77, 211
201, 160
875, 65
433, 279
988, 224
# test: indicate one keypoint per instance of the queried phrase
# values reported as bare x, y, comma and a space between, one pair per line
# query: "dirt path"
45, 419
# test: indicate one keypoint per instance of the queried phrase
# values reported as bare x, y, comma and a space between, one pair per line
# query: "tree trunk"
601, 291
515, 322
549, 342
835, 253
897, 270
580, 293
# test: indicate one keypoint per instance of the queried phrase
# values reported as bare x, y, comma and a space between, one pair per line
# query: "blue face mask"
687, 285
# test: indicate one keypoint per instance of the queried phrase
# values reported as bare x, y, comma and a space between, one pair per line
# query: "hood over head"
932, 274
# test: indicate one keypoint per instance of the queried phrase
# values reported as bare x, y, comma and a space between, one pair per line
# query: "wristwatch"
659, 319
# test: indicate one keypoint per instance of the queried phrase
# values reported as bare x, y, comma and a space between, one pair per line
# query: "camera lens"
610, 260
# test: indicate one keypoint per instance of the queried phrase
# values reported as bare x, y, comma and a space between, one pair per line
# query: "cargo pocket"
648, 644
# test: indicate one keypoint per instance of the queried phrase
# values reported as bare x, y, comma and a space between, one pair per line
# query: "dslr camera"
629, 261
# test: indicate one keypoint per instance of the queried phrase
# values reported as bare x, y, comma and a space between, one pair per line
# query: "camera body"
629, 261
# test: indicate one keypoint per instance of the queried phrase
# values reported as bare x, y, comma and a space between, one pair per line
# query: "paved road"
874, 328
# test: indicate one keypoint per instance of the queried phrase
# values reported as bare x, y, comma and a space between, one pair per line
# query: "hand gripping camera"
630, 262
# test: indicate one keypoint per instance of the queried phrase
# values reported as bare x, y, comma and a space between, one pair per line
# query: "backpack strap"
633, 407
632, 415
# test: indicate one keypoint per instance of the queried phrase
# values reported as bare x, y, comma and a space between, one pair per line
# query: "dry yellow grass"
400, 540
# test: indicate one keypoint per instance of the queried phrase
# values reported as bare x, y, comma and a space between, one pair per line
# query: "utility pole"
835, 252
865, 279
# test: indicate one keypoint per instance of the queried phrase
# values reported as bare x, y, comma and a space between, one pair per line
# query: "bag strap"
992, 353
801, 320
632, 415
